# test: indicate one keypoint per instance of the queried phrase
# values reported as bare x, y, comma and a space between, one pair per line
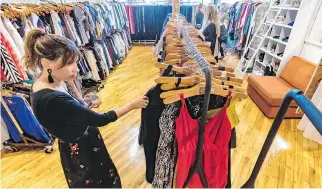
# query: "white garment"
90, 57
14, 47
57, 23
34, 20
159, 45
28, 25
14, 34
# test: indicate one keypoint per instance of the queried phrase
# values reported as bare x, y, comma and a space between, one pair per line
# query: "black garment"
84, 157
149, 130
221, 49
210, 34
223, 34
199, 18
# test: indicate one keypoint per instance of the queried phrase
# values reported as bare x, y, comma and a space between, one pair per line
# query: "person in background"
199, 16
212, 29
223, 38
84, 158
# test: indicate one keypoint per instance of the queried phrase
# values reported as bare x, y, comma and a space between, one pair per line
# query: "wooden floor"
293, 161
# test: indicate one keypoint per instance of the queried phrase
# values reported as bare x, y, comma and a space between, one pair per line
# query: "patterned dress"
84, 157
86, 162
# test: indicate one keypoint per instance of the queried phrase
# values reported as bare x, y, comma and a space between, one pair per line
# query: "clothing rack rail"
204, 66
309, 109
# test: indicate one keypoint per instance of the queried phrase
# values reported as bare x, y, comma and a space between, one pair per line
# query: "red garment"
215, 148
13, 56
2, 75
131, 20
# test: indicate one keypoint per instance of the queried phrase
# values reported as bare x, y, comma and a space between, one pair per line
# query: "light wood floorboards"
293, 161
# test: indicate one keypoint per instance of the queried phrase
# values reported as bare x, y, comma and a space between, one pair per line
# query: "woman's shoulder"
46, 94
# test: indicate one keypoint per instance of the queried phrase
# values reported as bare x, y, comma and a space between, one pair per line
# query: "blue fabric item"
150, 20
12, 129
249, 20
26, 119
291, 24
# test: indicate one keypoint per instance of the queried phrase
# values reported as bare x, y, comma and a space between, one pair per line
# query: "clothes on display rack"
101, 31
215, 148
148, 19
22, 112
240, 18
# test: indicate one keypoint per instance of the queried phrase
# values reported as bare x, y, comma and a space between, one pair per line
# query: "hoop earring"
50, 78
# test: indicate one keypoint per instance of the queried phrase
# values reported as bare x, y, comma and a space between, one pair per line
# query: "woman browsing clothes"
84, 157
212, 29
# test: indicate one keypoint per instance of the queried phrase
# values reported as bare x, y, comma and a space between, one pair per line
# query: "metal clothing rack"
204, 66
309, 109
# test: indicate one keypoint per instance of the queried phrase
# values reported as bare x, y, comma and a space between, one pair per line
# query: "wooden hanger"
172, 83
173, 96
222, 68
219, 73
192, 80
233, 79
182, 70
171, 86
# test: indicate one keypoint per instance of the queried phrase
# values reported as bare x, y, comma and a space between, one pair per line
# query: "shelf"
283, 25
285, 8
273, 55
277, 40
251, 49
262, 63
258, 36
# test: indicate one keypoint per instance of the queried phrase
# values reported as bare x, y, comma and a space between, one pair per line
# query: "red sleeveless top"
215, 148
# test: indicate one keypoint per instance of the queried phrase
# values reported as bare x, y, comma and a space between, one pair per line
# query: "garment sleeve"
206, 31
70, 111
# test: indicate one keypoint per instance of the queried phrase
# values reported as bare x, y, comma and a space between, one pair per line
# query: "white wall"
312, 51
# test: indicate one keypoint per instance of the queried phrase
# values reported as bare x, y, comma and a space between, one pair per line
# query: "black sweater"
210, 34
64, 117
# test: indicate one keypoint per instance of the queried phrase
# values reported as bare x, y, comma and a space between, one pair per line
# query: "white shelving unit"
277, 25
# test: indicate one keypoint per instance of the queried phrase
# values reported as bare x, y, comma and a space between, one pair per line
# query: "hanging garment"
149, 130
166, 152
215, 148
36, 22
58, 27
10, 45
12, 128
104, 63
25, 118
89, 55
14, 34
79, 17
70, 24
48, 23
18, 24
8, 67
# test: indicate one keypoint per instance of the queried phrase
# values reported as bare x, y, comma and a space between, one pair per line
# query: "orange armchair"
268, 92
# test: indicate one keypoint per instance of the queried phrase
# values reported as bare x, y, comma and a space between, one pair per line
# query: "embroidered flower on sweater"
74, 148
96, 149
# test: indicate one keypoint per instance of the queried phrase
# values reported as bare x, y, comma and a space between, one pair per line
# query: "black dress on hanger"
149, 130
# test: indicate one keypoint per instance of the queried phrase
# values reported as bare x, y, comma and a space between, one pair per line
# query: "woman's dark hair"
39, 44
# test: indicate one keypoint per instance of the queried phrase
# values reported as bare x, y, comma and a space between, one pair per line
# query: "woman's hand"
140, 103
